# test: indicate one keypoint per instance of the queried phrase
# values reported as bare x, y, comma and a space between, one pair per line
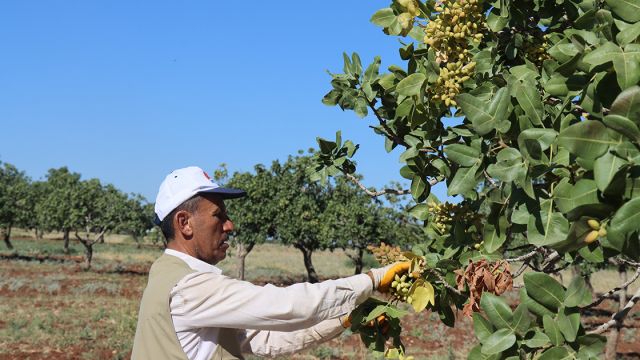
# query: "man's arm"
276, 343
210, 300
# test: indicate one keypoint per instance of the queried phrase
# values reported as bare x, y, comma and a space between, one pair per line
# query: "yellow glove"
398, 268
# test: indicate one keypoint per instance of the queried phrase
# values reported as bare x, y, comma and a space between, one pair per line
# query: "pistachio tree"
56, 210
14, 207
545, 160
252, 215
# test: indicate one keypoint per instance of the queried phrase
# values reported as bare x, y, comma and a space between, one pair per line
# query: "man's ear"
182, 224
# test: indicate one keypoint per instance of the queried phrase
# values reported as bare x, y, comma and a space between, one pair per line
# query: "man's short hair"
166, 226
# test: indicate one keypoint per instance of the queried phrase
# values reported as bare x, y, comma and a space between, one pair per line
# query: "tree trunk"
612, 341
88, 251
357, 259
7, 236
65, 237
312, 276
242, 251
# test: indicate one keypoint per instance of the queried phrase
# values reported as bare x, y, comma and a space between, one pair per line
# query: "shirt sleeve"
204, 299
276, 343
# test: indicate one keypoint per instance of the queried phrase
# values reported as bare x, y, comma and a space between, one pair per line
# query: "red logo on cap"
206, 175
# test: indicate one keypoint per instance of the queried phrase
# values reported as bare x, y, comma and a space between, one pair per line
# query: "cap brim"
226, 193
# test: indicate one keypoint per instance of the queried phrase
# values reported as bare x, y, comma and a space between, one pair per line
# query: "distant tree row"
285, 205
63, 202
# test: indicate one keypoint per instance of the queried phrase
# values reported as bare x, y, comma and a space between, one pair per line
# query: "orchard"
545, 163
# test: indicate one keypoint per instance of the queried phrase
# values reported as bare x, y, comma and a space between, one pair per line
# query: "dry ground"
55, 310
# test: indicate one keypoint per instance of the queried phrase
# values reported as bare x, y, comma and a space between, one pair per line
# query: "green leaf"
544, 289
578, 293
482, 327
552, 330
535, 339
497, 310
496, 22
533, 306
525, 73
531, 102
626, 63
361, 107
591, 345
498, 342
476, 354
389, 310
548, 228
411, 85
628, 35
628, 10
587, 139
463, 155
605, 167
558, 85
569, 197
422, 295
420, 188
627, 218
509, 165
420, 211
627, 104
592, 253
624, 126
494, 236
545, 137
484, 119
383, 17
463, 181
521, 319
569, 324
372, 71
556, 353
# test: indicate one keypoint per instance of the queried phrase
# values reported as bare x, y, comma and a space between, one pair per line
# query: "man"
189, 310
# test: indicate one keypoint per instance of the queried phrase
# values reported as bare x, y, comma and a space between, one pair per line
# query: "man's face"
210, 228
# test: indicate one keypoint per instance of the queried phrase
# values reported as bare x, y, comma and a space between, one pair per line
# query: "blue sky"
126, 91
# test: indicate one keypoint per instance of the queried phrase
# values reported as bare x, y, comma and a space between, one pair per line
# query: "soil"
423, 335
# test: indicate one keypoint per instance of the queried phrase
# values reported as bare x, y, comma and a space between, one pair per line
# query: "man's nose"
228, 226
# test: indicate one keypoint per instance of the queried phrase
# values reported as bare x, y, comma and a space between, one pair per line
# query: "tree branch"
614, 290
527, 256
617, 317
491, 181
384, 125
443, 281
521, 270
383, 191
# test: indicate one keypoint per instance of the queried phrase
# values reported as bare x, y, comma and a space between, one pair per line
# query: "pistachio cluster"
536, 49
386, 254
411, 11
401, 285
458, 25
445, 214
597, 231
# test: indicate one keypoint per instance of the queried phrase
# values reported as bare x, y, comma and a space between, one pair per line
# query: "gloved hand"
383, 277
381, 321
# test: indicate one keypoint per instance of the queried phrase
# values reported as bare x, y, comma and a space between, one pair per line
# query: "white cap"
182, 184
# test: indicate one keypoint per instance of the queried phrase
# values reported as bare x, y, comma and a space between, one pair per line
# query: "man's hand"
383, 277
381, 322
